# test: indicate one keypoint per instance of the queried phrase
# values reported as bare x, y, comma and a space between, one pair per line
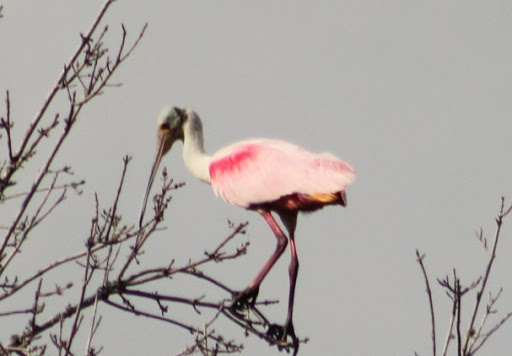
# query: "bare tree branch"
470, 342
419, 259
499, 221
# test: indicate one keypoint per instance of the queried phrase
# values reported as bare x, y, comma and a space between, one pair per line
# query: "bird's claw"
244, 299
280, 333
275, 332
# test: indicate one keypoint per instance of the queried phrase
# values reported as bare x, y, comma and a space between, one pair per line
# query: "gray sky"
416, 95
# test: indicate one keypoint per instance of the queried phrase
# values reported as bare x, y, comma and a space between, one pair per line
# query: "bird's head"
169, 129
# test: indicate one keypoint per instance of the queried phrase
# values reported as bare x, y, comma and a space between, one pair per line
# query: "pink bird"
262, 175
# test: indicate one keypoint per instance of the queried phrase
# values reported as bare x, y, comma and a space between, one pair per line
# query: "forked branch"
471, 340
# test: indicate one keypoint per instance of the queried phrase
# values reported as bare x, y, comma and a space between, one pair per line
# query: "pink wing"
262, 170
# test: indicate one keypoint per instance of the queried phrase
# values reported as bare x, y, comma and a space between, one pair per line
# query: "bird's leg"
293, 270
248, 296
277, 332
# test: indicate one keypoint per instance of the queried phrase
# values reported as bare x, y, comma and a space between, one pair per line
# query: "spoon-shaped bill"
154, 169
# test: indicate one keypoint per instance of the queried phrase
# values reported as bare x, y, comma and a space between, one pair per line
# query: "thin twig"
499, 221
93, 328
7, 125
73, 185
458, 297
110, 71
419, 259
449, 335
126, 161
88, 272
487, 335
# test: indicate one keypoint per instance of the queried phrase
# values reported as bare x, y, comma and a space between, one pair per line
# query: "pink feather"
259, 171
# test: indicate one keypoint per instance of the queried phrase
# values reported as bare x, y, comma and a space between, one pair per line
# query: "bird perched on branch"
263, 175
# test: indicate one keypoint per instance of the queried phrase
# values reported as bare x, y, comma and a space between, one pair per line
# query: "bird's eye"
165, 126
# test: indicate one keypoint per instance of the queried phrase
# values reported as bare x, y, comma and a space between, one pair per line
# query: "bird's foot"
244, 299
280, 334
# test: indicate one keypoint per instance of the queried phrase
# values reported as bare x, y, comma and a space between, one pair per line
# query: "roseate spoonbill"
262, 175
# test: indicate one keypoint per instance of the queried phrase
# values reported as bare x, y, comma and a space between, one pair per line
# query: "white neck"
196, 160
